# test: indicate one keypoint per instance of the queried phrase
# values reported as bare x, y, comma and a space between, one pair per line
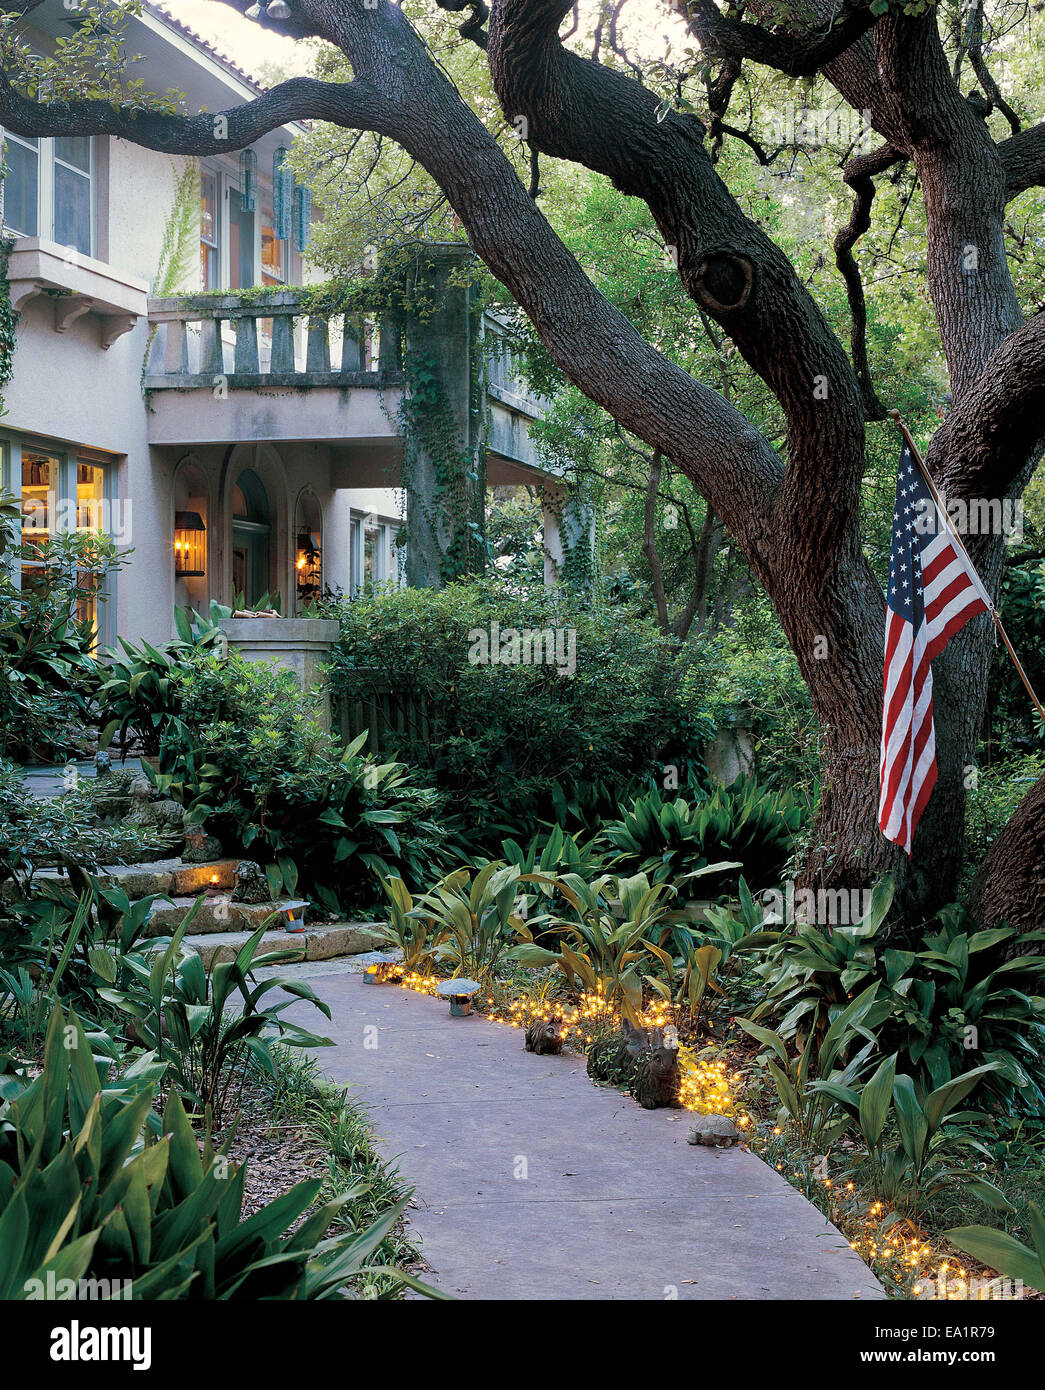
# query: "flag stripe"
933, 592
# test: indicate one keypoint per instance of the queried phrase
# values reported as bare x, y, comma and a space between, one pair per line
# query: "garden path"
532, 1183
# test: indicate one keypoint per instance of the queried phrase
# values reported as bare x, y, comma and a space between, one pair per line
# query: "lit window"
210, 231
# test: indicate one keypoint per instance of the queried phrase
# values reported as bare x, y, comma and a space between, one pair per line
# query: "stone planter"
302, 645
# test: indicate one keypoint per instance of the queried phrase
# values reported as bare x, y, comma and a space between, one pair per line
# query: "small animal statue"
251, 884
102, 763
714, 1131
656, 1079
545, 1035
200, 847
612, 1060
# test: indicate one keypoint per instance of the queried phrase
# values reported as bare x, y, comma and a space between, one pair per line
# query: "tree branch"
983, 447
301, 98
858, 175
1023, 159
797, 55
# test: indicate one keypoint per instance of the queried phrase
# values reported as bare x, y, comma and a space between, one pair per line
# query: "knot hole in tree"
724, 281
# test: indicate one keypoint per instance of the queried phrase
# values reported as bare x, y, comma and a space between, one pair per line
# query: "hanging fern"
181, 242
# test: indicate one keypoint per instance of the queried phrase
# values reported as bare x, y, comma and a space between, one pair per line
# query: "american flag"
933, 592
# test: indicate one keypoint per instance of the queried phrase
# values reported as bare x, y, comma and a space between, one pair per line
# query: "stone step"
314, 944
216, 914
161, 876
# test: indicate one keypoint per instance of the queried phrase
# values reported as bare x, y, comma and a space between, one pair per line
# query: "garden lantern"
459, 992
381, 970
294, 912
190, 545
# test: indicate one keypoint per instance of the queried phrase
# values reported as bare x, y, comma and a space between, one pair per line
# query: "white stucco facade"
78, 420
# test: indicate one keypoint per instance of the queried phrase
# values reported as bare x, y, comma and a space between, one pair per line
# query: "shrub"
247, 755
180, 1011
515, 745
990, 803
746, 824
47, 672
99, 1187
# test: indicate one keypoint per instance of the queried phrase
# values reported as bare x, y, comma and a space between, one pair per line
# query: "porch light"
308, 565
190, 545
253, 13
279, 9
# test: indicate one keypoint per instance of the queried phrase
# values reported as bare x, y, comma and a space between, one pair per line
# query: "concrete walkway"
532, 1183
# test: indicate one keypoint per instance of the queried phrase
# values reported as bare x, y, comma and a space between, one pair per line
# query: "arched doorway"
251, 537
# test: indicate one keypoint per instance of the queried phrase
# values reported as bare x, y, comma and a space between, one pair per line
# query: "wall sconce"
190, 545
278, 9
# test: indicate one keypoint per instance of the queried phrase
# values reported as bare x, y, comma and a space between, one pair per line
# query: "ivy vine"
8, 322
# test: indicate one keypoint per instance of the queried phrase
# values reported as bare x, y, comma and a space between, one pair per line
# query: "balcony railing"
266, 340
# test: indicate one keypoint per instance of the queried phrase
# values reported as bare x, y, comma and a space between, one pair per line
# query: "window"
49, 190
60, 492
273, 251
210, 231
375, 552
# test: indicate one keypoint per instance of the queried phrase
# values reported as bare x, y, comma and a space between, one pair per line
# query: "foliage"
906, 1176
502, 739
415, 933
994, 796
139, 696
937, 1005
181, 1012
98, 1187
248, 755
46, 666
480, 918
805, 1085
744, 823
607, 958
1002, 1252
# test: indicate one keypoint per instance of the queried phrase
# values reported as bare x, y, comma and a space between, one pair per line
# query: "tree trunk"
1010, 888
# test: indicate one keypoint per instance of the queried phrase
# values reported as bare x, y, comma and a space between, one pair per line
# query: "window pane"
39, 496
272, 267
22, 189
90, 497
210, 264
241, 246
74, 149
72, 209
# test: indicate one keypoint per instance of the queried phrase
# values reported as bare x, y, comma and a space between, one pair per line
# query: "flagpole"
942, 509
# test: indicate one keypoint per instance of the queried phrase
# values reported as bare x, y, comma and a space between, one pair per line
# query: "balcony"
235, 366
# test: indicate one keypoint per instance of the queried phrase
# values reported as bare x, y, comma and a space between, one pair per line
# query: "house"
236, 443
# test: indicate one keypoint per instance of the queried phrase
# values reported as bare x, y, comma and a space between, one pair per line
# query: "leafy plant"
415, 932
937, 1005
1003, 1252
98, 1187
603, 955
809, 1085
743, 823
183, 1014
479, 918
248, 755
908, 1175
